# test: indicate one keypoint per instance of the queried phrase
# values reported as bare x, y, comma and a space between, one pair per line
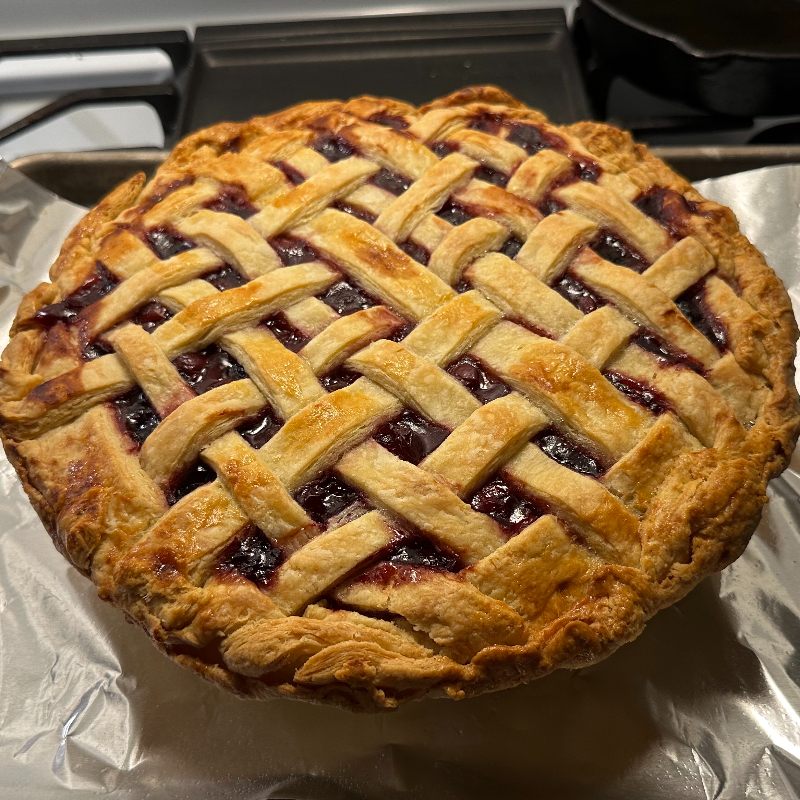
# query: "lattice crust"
362, 401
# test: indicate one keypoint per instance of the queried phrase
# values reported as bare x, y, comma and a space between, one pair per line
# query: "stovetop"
140, 90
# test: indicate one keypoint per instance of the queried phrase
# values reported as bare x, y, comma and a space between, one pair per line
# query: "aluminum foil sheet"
705, 704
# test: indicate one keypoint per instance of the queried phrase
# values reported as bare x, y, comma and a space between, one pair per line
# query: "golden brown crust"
375, 642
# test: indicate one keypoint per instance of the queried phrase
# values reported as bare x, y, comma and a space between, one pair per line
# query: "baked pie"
360, 402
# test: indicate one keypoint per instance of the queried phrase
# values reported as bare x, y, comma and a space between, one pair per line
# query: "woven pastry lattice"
360, 401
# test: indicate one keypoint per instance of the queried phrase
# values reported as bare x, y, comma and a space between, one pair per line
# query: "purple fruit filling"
354, 211
345, 298
285, 332
488, 123
579, 294
410, 437
96, 349
135, 414
252, 555
209, 368
166, 242
443, 149
258, 430
293, 251
648, 340
416, 251
550, 206
392, 182
418, 551
640, 392
493, 176
507, 507
693, 305
232, 200
511, 247
225, 278
195, 476
338, 379
334, 148
533, 139
569, 453
295, 177
613, 248
454, 213
151, 315
326, 497
669, 208
97, 285
479, 379
390, 121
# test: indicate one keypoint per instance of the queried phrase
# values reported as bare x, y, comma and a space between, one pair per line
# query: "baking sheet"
705, 704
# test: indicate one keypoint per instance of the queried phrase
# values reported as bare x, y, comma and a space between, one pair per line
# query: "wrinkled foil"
705, 704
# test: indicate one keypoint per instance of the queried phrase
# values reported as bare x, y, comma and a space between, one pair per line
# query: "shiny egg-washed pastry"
360, 402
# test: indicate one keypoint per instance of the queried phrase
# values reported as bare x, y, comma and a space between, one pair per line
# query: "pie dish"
360, 402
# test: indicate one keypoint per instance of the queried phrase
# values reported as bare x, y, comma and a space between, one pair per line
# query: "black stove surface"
244, 70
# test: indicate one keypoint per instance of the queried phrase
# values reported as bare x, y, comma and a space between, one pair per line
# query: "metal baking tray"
85, 178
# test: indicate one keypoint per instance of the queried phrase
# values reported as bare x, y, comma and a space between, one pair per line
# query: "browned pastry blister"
361, 402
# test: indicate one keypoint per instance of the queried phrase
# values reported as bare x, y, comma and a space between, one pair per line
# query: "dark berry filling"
338, 379
579, 294
291, 338
410, 437
209, 368
487, 123
511, 247
454, 213
667, 207
479, 379
640, 392
225, 278
292, 251
333, 147
416, 251
616, 250
442, 149
232, 200
550, 206
390, 121
258, 430
418, 551
463, 285
252, 555
135, 414
151, 315
295, 177
401, 333
354, 211
493, 176
166, 242
507, 507
589, 170
532, 139
96, 349
234, 145
326, 497
648, 340
692, 304
166, 190
195, 476
97, 285
569, 453
392, 182
345, 298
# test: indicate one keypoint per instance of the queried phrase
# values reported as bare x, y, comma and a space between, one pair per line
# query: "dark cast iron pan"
734, 57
